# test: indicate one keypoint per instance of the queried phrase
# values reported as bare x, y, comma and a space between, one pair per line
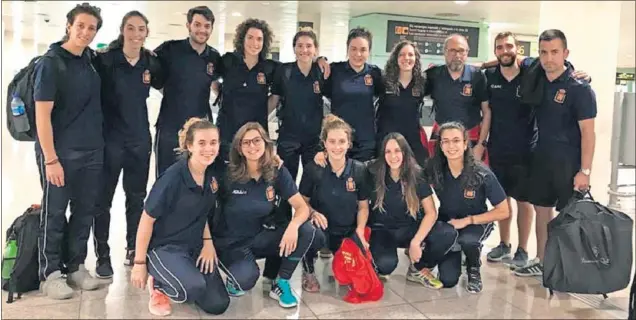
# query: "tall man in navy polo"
188, 70
460, 94
562, 161
513, 135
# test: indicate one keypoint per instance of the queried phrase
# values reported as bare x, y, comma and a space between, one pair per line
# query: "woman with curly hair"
462, 186
243, 231
400, 106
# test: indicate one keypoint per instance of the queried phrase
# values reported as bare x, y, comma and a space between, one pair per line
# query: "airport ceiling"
45, 20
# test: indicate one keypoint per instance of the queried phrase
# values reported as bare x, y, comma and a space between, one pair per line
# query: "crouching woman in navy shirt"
462, 186
400, 193
243, 232
174, 243
338, 195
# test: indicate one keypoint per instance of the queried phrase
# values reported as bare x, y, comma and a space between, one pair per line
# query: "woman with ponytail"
175, 255
127, 72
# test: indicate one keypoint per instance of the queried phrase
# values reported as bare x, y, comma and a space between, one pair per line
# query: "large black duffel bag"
589, 249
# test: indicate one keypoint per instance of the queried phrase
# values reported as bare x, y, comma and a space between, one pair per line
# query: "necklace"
341, 167
129, 58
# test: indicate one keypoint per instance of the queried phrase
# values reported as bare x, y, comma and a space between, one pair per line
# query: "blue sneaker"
282, 292
232, 289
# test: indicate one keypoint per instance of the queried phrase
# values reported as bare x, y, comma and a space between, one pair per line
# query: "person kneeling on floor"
174, 244
463, 185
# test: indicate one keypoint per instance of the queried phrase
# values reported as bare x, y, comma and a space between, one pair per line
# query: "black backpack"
589, 249
24, 275
22, 85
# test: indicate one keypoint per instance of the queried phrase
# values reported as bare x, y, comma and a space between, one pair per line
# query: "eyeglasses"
447, 142
453, 52
255, 142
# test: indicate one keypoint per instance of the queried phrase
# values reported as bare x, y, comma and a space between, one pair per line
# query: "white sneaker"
82, 279
55, 287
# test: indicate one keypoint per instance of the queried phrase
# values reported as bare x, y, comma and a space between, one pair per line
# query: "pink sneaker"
159, 303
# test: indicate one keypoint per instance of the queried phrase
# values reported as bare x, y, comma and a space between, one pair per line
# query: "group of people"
225, 194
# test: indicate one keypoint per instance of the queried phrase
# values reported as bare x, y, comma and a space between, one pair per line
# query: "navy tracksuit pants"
176, 275
166, 141
238, 256
449, 264
134, 160
332, 240
63, 244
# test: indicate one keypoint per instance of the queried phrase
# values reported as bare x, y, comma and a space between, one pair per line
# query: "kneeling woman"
174, 243
462, 186
400, 192
338, 196
243, 232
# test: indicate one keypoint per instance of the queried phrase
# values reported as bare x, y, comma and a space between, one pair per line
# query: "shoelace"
474, 274
284, 286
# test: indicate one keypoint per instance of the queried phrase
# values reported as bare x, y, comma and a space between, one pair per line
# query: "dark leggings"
328, 239
385, 241
238, 256
176, 275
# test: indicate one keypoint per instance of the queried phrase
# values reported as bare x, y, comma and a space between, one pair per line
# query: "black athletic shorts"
552, 179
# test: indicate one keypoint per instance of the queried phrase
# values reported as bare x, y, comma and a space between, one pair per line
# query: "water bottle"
10, 253
20, 119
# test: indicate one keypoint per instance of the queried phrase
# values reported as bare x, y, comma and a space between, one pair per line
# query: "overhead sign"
429, 37
523, 48
624, 76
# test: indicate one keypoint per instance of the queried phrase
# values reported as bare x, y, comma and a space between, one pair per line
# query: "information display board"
429, 37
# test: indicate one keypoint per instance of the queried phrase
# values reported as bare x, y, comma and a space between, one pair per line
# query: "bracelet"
54, 161
207, 238
139, 262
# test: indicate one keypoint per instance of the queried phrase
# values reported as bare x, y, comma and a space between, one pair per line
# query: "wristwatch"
586, 172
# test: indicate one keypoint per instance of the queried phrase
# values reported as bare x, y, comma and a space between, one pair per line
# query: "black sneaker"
130, 257
500, 252
519, 261
474, 284
104, 269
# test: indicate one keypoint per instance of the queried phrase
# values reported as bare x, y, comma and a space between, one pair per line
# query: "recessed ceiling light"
340, 24
461, 2
236, 14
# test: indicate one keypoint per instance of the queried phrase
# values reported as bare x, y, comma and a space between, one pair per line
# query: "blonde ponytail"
186, 134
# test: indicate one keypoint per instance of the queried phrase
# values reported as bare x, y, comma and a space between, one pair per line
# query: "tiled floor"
504, 295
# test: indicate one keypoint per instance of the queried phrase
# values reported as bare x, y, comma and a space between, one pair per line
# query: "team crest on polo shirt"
270, 193
316, 87
214, 185
146, 77
351, 185
416, 92
368, 80
559, 97
468, 90
260, 78
210, 68
469, 194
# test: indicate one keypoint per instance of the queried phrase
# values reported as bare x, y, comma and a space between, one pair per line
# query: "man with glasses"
460, 94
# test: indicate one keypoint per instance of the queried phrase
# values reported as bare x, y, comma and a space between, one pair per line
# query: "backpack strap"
228, 60
359, 173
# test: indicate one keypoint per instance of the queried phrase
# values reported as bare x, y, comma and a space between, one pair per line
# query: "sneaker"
159, 303
267, 284
498, 253
55, 287
474, 284
232, 288
384, 277
520, 259
534, 268
130, 257
82, 279
425, 277
310, 282
282, 292
104, 269
324, 253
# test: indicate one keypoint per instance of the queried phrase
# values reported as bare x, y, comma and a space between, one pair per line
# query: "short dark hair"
360, 32
551, 34
202, 10
305, 33
83, 8
505, 34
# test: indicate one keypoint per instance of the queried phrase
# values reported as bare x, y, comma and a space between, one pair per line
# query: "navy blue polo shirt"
335, 197
244, 95
125, 89
457, 100
301, 108
566, 101
188, 76
77, 113
513, 131
246, 205
180, 206
396, 213
400, 111
352, 96
456, 202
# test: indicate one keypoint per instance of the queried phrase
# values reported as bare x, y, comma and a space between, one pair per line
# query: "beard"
193, 36
455, 66
509, 63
